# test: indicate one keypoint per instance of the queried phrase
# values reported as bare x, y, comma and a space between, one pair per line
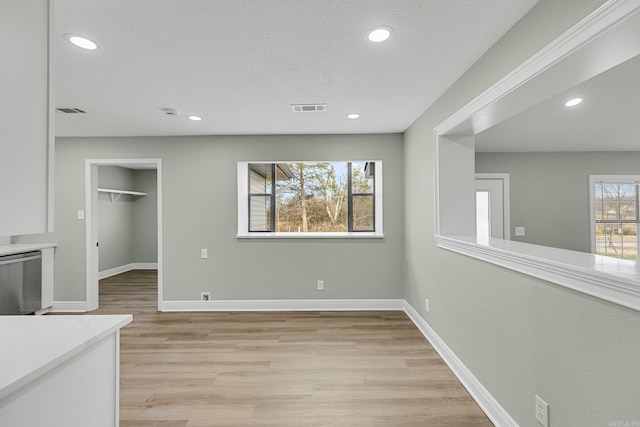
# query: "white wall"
26, 131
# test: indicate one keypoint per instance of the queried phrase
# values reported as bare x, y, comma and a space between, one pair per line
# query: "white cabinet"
60, 370
26, 111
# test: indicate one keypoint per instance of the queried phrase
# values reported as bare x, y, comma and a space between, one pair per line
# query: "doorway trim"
91, 204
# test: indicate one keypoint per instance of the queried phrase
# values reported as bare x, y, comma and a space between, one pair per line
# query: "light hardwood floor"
277, 368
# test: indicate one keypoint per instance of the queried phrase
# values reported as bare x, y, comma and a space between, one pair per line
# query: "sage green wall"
550, 191
145, 217
518, 335
200, 211
115, 219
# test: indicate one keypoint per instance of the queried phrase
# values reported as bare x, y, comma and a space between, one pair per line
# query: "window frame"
243, 199
351, 195
611, 179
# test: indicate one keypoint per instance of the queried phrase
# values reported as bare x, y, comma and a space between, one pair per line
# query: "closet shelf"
115, 194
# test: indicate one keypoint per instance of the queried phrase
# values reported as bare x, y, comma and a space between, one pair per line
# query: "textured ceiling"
606, 120
240, 63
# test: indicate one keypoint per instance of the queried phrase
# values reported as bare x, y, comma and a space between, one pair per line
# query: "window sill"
363, 235
610, 279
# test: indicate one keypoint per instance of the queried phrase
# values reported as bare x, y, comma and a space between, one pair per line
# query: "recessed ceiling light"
379, 34
82, 42
353, 116
195, 118
573, 102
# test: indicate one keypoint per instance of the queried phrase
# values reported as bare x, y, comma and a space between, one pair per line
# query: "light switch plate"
542, 411
80, 214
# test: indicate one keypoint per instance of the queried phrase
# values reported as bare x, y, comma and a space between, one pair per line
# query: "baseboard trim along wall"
481, 395
124, 268
284, 305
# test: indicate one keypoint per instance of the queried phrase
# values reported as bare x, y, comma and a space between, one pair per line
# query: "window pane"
260, 178
629, 235
259, 213
362, 175
617, 240
599, 202
601, 238
363, 219
314, 199
616, 201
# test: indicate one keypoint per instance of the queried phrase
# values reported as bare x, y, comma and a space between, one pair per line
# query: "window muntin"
615, 201
310, 198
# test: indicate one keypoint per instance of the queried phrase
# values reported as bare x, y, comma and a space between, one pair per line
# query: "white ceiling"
608, 119
240, 63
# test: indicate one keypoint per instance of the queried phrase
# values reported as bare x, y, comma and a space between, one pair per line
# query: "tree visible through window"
616, 217
312, 197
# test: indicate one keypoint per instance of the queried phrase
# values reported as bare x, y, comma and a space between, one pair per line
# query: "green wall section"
145, 218
518, 335
550, 191
115, 219
200, 211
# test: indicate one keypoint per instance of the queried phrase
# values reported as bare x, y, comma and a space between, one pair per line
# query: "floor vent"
308, 108
71, 110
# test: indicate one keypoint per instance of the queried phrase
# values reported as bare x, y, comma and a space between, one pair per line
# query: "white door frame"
91, 212
506, 204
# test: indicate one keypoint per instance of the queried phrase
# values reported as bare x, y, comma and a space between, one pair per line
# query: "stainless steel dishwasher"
21, 283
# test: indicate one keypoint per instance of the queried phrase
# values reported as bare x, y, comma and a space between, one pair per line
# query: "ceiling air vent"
308, 108
71, 110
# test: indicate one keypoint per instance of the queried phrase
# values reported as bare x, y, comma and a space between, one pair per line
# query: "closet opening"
123, 221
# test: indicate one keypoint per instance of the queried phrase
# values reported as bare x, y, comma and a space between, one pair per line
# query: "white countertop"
17, 248
33, 345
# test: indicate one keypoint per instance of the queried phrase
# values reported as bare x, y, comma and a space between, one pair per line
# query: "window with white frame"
614, 215
314, 199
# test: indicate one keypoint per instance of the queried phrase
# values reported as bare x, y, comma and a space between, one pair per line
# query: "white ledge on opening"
119, 193
611, 279
312, 235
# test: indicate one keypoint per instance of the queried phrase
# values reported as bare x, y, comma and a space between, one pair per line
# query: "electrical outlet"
205, 296
204, 253
321, 285
519, 231
542, 411
426, 304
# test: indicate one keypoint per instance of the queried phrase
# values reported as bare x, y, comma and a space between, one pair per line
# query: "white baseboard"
481, 395
69, 307
285, 305
145, 266
128, 267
